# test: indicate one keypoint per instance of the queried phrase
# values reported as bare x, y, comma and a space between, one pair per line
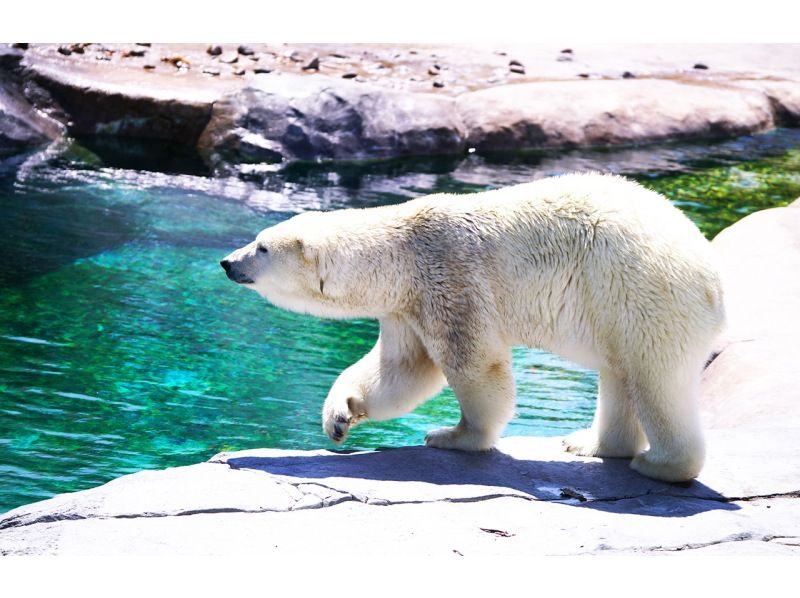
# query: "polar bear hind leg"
669, 413
486, 396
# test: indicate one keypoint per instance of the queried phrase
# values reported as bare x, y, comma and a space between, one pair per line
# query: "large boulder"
752, 382
317, 118
99, 102
568, 114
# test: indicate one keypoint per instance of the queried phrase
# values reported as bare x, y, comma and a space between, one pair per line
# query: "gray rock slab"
280, 117
407, 498
568, 114
154, 108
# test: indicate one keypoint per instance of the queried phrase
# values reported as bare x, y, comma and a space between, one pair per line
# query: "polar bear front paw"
339, 415
458, 438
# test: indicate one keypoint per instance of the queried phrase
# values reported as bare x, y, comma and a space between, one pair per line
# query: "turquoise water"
123, 346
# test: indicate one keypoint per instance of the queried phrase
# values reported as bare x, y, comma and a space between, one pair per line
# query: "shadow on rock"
607, 485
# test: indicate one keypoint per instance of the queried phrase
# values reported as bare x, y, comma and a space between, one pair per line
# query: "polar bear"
592, 267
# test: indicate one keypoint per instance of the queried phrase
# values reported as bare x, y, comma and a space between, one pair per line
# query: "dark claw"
342, 419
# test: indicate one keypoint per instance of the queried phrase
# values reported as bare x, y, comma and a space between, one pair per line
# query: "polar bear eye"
262, 249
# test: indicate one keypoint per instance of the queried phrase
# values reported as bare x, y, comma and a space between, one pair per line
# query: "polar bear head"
327, 264
282, 265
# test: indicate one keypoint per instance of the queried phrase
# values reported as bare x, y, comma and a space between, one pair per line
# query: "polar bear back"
588, 266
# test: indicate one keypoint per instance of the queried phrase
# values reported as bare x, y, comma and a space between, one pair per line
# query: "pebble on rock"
434, 70
238, 72
313, 65
210, 70
518, 69
245, 50
350, 75
149, 67
229, 58
566, 51
628, 75
701, 66
133, 53
586, 75
515, 63
261, 70
438, 83
214, 50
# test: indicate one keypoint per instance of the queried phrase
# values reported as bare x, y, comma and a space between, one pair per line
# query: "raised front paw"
338, 415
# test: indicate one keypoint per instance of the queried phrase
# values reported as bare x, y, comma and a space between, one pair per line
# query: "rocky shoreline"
252, 107
527, 497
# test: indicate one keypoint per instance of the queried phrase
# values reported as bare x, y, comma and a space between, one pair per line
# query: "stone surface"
603, 113
290, 117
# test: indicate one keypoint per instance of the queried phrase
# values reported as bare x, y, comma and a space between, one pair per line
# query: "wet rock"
313, 65
22, 127
603, 113
325, 118
700, 66
245, 50
214, 50
229, 57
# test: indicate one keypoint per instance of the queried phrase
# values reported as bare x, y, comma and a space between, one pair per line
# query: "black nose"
226, 265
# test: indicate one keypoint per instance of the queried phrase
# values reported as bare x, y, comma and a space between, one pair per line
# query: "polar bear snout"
233, 272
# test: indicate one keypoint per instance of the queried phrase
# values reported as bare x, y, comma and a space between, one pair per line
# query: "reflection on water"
123, 346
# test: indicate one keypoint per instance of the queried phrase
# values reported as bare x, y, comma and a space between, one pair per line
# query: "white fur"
595, 268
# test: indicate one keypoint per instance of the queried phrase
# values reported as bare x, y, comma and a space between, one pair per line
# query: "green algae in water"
123, 346
715, 198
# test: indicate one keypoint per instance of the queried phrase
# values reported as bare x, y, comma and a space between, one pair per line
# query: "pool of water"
124, 347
